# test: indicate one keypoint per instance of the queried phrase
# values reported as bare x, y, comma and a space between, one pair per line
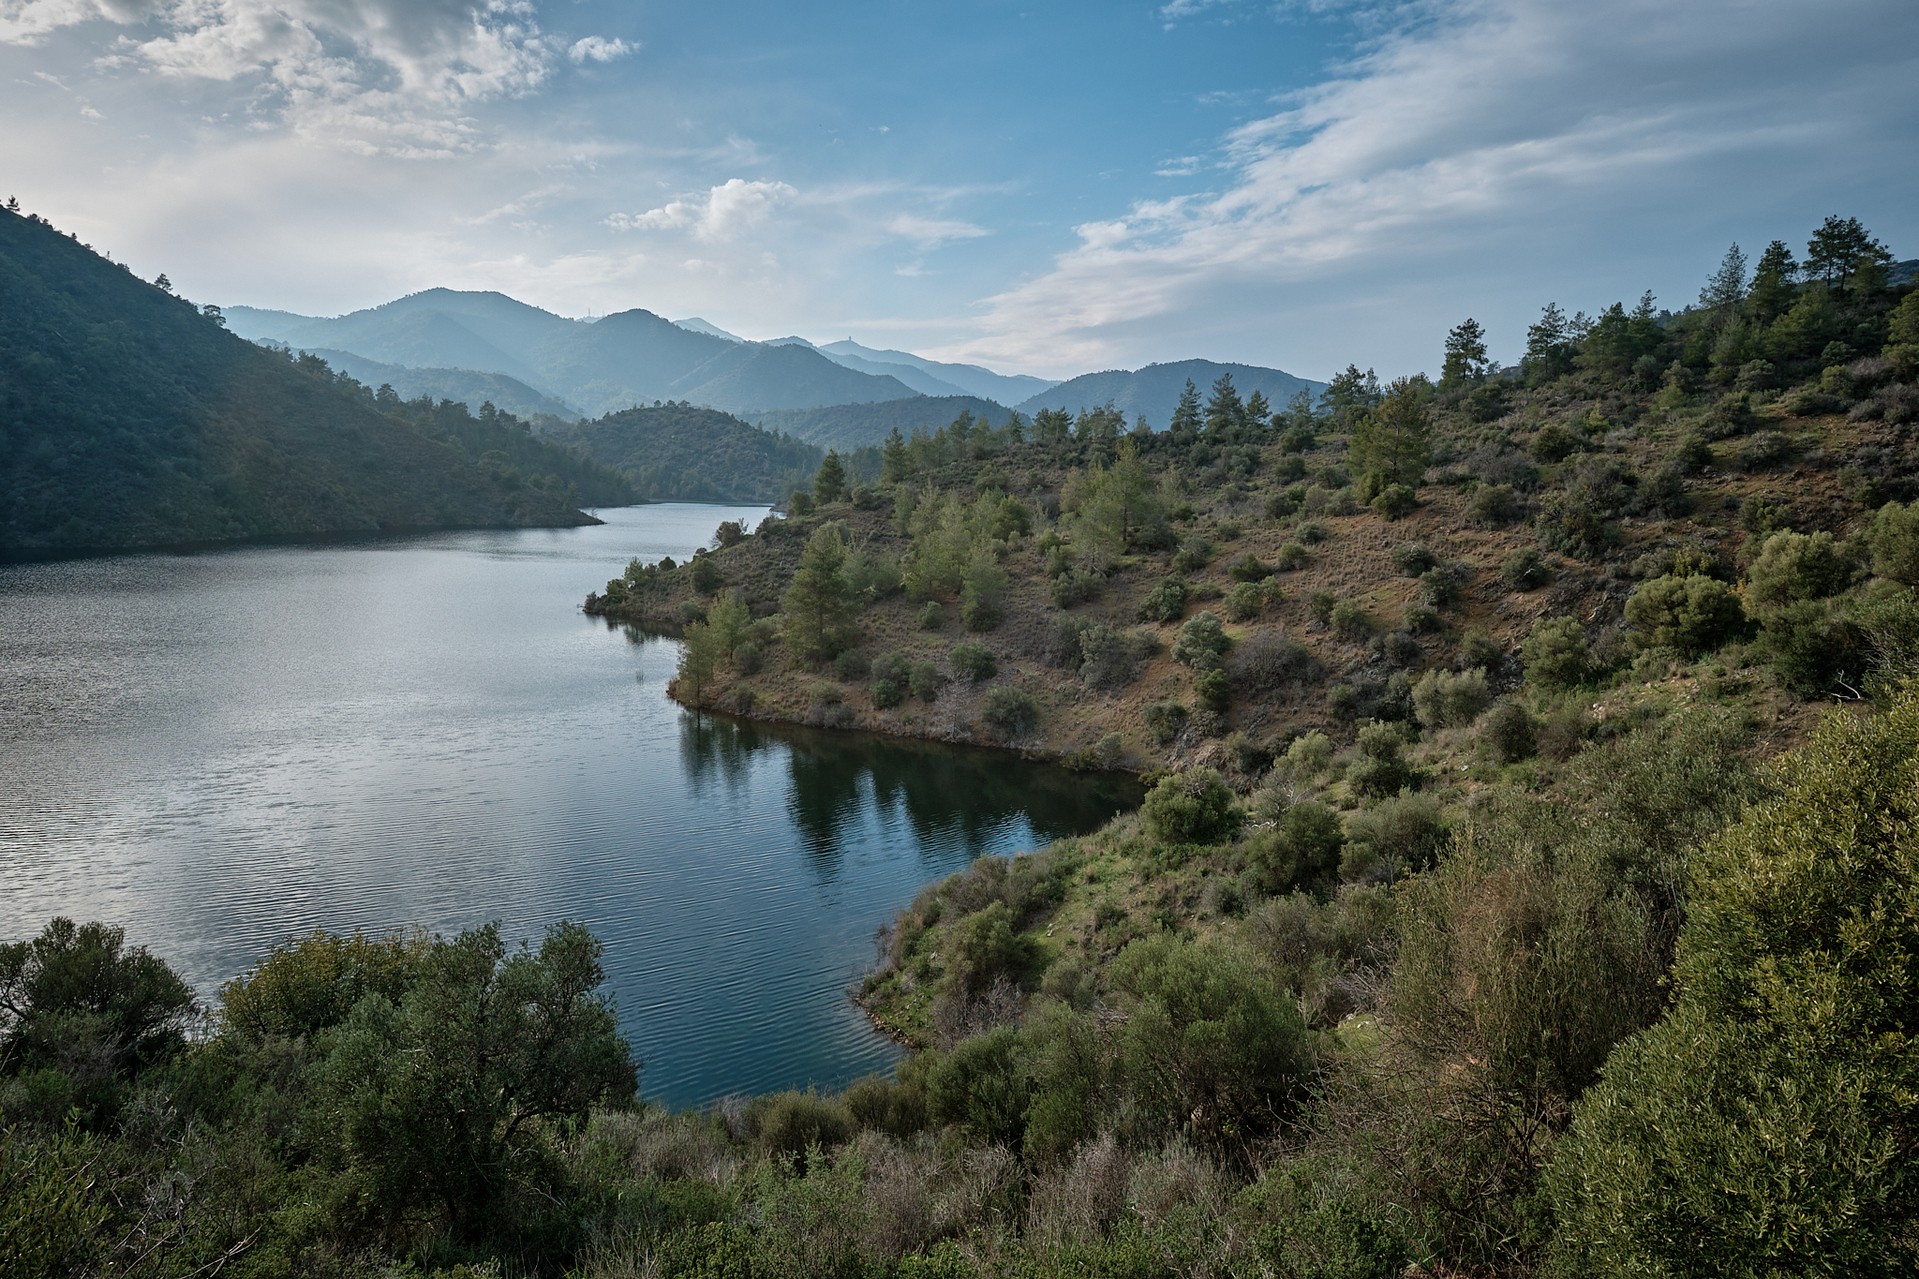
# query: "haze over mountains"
477, 346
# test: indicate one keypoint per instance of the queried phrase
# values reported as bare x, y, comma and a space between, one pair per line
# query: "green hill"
130, 418
677, 452
466, 386
854, 426
1154, 391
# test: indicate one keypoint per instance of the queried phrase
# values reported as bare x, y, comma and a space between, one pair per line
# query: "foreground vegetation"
1503, 903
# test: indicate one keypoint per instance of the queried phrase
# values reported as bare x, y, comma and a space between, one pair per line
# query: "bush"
925, 681
974, 660
1554, 442
1268, 660
1768, 1124
1525, 570
1349, 621
1166, 602
1195, 552
886, 694
1108, 658
1413, 558
1509, 733
1249, 568
1213, 690
1395, 501
1201, 642
1291, 556
1249, 601
1555, 654
1309, 755
985, 947
1494, 506
1010, 713
1692, 615
932, 616
1441, 587
1399, 835
1792, 567
1380, 768
1443, 700
1193, 807
1164, 720
1075, 586
1894, 543
1301, 851
789, 1123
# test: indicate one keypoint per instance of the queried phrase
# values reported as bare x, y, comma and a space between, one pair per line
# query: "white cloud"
378, 76
1477, 128
930, 233
726, 212
600, 49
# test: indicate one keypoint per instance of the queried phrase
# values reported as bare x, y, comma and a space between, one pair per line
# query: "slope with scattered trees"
677, 452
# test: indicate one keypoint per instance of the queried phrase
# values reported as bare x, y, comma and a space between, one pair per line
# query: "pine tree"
1225, 414
1549, 344
1349, 395
1772, 288
1726, 287
894, 466
1393, 443
1844, 254
1186, 417
1465, 362
818, 609
830, 484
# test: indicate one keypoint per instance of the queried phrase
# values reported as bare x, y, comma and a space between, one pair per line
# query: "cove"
223, 749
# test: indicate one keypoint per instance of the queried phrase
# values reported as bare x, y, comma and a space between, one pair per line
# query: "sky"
1045, 188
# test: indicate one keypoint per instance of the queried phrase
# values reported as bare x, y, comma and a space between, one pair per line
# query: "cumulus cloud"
726, 212
600, 49
1481, 123
378, 76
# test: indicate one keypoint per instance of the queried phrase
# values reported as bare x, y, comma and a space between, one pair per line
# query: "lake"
223, 749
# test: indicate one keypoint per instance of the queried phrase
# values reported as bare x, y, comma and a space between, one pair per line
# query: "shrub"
1555, 654
1399, 648
925, 681
1166, 602
1395, 501
1164, 720
1108, 658
1213, 690
1554, 442
1692, 453
1440, 587
1796, 566
1509, 733
886, 694
1267, 660
1398, 835
1693, 615
1349, 621
788, 1123
1010, 713
1301, 851
1291, 556
974, 660
1525, 570
1494, 506
1201, 642
981, 1088
1192, 807
1380, 767
1444, 700
932, 616
1194, 553
1249, 601
1249, 568
1309, 755
1768, 1124
1075, 586
851, 665
1320, 605
1894, 543
1413, 558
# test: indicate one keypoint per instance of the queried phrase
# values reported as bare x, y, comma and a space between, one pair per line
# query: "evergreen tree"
1726, 287
1465, 362
1844, 254
1550, 344
1259, 413
830, 484
1393, 443
818, 610
1186, 416
894, 466
1225, 414
1772, 289
1349, 395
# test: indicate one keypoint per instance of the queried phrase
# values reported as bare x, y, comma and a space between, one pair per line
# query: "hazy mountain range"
487, 346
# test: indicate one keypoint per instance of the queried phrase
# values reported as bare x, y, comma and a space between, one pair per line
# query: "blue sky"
1043, 187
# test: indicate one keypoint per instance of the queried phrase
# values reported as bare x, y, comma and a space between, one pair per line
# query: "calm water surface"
220, 750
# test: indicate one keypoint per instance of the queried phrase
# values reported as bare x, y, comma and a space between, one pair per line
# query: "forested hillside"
1155, 391
1527, 885
855, 426
463, 386
676, 452
129, 417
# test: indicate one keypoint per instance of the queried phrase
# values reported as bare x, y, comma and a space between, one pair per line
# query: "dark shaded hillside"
743, 378
677, 452
1155, 390
129, 418
853, 426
